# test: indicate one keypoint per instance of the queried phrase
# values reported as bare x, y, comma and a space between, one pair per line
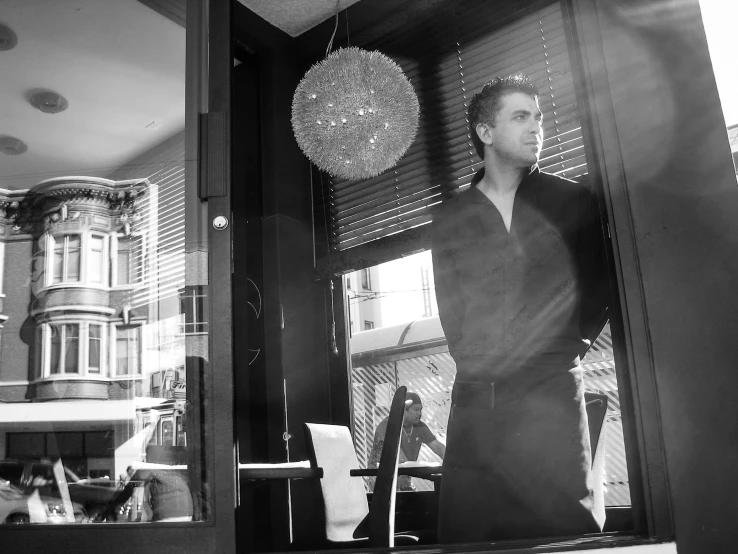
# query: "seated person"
415, 433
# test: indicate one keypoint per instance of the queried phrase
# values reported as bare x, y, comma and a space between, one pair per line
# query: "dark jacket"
536, 295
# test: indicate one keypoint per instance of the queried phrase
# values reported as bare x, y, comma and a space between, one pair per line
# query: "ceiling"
120, 65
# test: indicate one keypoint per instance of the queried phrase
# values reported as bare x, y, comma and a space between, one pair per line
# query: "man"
414, 434
522, 291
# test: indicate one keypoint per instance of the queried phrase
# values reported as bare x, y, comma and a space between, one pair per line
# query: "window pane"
124, 266
73, 257
128, 351
56, 349
96, 267
106, 188
25, 445
404, 313
167, 432
71, 349
58, 260
95, 341
38, 267
99, 444
65, 445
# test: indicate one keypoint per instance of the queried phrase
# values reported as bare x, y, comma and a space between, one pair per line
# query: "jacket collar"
532, 175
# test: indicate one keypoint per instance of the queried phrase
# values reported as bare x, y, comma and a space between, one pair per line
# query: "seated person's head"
413, 409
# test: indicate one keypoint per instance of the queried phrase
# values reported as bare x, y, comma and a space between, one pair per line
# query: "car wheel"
17, 519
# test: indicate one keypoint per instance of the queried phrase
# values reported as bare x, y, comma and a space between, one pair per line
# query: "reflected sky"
719, 17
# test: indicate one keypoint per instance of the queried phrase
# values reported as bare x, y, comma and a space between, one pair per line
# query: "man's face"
412, 414
517, 136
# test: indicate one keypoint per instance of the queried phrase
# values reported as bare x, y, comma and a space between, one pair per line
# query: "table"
279, 471
430, 471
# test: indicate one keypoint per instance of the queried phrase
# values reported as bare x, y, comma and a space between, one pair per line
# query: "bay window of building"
77, 259
71, 348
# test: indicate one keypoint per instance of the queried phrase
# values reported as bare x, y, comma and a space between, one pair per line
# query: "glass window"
97, 196
167, 432
718, 18
99, 444
193, 308
64, 348
409, 348
366, 279
94, 348
128, 259
128, 350
66, 263
96, 265
25, 445
65, 445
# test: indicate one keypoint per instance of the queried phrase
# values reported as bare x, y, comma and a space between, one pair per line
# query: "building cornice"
54, 201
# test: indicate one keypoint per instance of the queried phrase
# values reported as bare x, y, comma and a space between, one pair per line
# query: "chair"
349, 520
596, 405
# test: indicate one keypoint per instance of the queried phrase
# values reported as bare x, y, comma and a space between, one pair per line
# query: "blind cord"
334, 341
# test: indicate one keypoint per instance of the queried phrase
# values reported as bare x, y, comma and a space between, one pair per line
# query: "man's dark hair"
415, 397
485, 105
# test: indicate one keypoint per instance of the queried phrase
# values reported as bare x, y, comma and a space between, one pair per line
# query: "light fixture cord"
330, 44
348, 37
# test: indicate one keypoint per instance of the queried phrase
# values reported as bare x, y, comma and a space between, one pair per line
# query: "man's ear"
484, 132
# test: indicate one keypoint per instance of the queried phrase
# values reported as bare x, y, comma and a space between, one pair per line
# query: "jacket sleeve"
451, 306
595, 277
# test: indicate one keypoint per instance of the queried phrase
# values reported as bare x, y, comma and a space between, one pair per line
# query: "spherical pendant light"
355, 114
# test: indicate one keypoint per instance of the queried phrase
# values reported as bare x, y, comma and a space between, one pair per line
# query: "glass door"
106, 378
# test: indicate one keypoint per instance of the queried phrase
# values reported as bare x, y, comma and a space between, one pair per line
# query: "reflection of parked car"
27, 475
14, 507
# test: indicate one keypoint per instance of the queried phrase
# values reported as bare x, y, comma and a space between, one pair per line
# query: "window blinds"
448, 59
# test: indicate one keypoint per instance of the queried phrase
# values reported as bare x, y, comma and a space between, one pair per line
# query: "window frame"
208, 76
135, 270
104, 254
114, 330
44, 345
54, 247
650, 496
196, 296
48, 253
652, 512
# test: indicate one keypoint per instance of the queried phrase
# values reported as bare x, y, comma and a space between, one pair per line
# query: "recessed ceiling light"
49, 102
12, 146
8, 38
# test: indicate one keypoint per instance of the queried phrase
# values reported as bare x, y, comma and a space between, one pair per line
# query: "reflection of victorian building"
92, 315
91, 251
